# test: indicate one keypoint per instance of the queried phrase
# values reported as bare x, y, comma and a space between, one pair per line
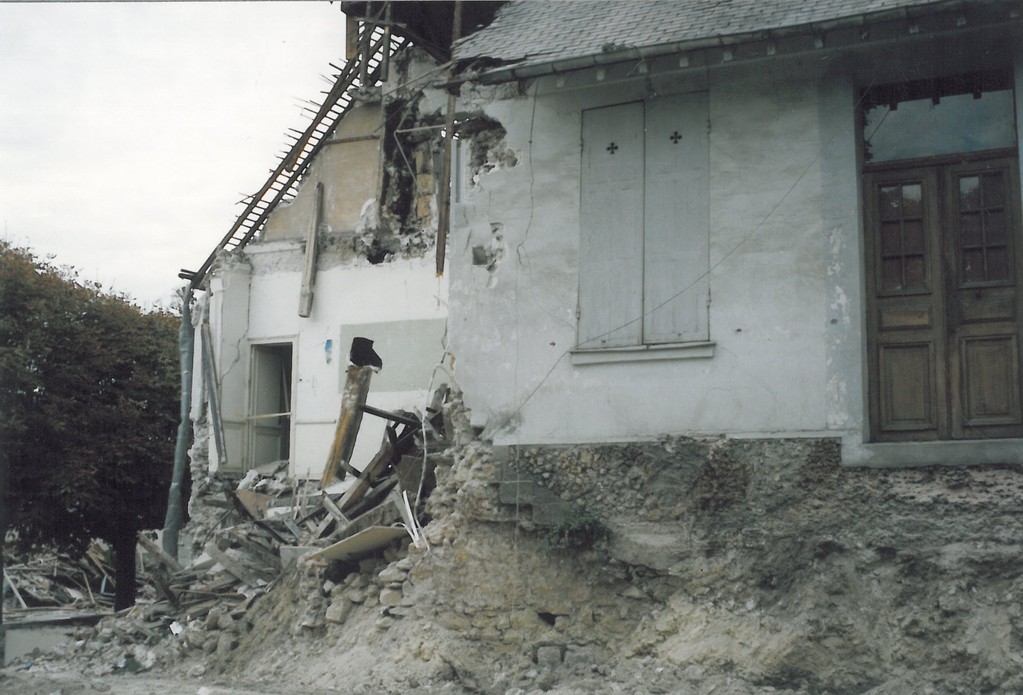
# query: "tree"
88, 412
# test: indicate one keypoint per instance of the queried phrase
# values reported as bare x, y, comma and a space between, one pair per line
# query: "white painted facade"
786, 349
270, 360
400, 304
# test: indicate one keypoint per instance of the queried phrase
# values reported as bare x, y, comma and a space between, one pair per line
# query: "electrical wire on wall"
511, 419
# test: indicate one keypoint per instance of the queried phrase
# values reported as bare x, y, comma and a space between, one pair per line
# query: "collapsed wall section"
349, 256
379, 170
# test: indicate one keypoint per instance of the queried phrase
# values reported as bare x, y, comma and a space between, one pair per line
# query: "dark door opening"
269, 420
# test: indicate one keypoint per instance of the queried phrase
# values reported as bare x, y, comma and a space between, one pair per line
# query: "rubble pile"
49, 578
267, 522
753, 590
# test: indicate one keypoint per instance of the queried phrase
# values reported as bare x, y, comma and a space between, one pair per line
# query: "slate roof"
535, 32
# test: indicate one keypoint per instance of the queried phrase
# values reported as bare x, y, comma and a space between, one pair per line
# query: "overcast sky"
128, 131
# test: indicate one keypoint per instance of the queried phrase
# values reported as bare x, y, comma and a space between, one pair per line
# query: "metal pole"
186, 349
5, 462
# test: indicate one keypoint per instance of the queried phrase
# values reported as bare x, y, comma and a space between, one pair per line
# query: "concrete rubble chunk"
548, 656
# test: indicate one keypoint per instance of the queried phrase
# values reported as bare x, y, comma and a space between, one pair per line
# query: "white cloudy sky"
128, 131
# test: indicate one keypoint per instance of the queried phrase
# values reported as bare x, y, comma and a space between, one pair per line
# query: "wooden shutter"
611, 216
676, 248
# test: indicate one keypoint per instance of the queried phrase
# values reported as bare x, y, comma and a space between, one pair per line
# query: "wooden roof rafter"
282, 184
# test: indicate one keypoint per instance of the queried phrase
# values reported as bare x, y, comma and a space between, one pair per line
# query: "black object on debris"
363, 355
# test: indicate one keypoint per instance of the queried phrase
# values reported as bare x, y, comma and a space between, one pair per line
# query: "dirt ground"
21, 683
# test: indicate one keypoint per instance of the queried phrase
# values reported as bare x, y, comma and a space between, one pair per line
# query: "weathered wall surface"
350, 166
766, 365
375, 278
786, 263
400, 304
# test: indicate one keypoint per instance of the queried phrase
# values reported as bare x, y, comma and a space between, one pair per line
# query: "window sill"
643, 353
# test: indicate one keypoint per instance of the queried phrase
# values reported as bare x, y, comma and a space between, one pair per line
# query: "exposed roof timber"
861, 29
426, 24
285, 178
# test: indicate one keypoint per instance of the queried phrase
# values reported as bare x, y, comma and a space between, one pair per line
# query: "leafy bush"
88, 407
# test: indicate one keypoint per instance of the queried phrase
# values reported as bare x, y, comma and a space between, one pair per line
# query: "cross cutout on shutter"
612, 148
675, 137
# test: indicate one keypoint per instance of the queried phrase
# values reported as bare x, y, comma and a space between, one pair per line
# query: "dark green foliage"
579, 530
88, 406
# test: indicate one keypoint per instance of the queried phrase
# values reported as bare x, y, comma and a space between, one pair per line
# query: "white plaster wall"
512, 331
360, 293
787, 265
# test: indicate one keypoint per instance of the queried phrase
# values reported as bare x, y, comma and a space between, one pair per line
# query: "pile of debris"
268, 520
48, 578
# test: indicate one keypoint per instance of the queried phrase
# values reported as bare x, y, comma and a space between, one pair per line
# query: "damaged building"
339, 243
726, 296
759, 219
762, 222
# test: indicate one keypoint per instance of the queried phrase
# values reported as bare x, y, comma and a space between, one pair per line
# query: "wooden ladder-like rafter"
365, 70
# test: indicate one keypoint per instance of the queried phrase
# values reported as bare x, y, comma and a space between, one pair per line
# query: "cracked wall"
785, 266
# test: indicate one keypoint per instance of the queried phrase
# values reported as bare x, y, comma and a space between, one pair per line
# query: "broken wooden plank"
305, 298
366, 478
354, 395
266, 555
154, 549
326, 522
362, 543
383, 514
374, 496
234, 567
402, 418
334, 511
295, 529
273, 534
255, 503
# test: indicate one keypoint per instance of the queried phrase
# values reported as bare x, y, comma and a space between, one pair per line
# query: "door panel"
982, 256
990, 381
908, 401
907, 334
943, 301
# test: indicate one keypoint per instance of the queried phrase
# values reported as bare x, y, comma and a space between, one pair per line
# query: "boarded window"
644, 218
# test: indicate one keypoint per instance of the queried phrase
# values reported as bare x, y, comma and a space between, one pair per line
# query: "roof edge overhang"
861, 29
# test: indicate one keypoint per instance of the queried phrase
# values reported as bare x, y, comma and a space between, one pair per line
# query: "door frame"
250, 424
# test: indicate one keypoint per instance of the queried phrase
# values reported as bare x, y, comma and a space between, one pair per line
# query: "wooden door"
943, 301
